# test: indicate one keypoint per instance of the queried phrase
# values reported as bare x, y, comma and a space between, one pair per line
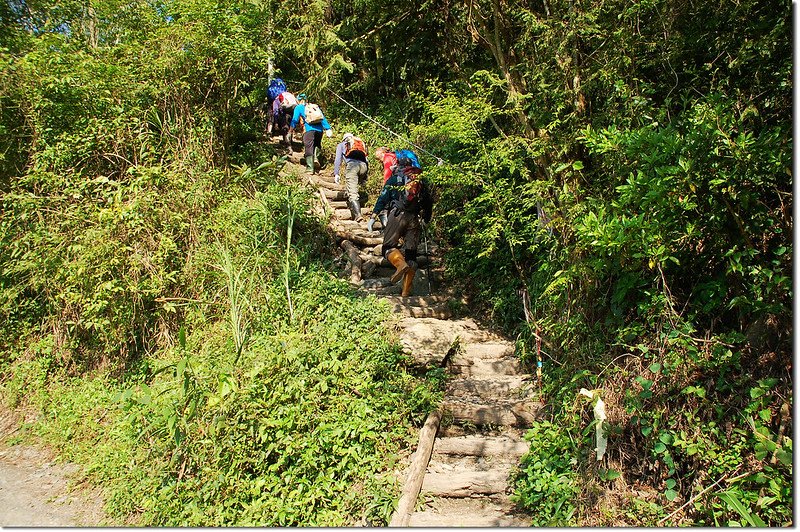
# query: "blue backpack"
276, 87
407, 158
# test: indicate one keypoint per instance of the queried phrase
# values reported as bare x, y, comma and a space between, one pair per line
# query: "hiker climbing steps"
470, 447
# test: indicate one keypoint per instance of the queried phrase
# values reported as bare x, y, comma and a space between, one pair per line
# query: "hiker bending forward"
410, 204
354, 152
312, 138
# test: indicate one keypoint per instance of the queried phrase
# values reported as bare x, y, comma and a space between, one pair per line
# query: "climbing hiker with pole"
410, 205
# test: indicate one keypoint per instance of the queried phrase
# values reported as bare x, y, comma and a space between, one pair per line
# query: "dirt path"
37, 492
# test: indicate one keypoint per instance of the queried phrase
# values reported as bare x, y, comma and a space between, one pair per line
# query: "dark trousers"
403, 226
312, 139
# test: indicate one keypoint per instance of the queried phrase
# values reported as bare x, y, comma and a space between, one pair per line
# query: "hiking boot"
395, 256
355, 210
408, 281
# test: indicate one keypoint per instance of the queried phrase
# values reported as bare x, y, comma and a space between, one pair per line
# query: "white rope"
439, 160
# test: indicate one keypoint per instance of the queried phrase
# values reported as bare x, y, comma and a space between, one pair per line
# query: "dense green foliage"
626, 163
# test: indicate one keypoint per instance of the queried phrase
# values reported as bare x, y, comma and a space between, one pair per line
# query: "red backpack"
354, 147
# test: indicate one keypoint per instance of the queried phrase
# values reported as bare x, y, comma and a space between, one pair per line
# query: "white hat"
347, 136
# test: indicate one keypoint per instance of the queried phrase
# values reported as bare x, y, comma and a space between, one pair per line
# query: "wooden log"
334, 195
343, 214
521, 414
416, 473
355, 261
465, 484
383, 262
322, 182
367, 267
358, 239
481, 446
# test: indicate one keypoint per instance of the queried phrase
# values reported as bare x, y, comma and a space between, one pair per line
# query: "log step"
510, 414
465, 484
484, 367
441, 313
474, 512
505, 387
481, 446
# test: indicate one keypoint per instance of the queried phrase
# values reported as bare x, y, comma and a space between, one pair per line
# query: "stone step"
478, 445
429, 339
466, 329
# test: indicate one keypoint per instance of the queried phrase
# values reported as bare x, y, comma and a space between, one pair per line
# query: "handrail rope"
439, 160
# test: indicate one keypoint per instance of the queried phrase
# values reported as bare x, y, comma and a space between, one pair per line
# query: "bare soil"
37, 491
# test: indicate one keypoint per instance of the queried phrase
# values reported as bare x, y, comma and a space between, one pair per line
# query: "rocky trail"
468, 448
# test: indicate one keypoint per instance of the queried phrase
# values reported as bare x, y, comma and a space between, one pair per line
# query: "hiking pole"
427, 255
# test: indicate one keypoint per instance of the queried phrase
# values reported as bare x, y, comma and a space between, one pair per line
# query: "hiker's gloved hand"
329, 132
371, 222
336, 179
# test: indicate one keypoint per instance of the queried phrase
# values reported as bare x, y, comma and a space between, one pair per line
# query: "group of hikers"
404, 205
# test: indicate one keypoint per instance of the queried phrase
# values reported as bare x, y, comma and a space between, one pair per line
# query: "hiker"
283, 111
315, 122
410, 205
276, 87
388, 159
354, 153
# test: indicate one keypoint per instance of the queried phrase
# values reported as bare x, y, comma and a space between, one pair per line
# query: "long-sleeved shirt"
389, 160
300, 112
340, 149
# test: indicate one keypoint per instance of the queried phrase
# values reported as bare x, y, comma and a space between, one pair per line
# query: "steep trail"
471, 445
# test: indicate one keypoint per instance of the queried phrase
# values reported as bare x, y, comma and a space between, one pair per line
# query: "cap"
347, 136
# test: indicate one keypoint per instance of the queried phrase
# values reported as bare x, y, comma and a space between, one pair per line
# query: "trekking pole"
427, 254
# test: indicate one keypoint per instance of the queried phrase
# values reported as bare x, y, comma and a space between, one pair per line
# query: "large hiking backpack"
412, 191
287, 100
355, 146
313, 114
276, 87
407, 158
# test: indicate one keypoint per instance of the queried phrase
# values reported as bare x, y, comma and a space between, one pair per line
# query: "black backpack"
413, 196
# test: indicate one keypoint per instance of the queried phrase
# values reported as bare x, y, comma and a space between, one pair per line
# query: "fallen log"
416, 473
367, 267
